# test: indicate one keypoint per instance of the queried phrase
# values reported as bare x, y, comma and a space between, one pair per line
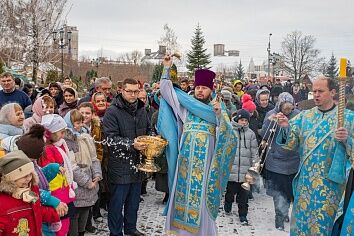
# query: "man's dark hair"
26, 88
6, 75
130, 81
184, 81
18, 81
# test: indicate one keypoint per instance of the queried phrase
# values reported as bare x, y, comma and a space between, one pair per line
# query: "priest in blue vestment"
325, 155
200, 153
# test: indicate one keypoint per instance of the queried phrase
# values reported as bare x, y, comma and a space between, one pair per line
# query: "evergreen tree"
156, 75
332, 69
240, 73
90, 74
198, 58
52, 76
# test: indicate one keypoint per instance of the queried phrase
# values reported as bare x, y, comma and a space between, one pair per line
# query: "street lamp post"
63, 41
268, 49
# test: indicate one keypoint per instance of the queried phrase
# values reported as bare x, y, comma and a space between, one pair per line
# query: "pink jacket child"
56, 151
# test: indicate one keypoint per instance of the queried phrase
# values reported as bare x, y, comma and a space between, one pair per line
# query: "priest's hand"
341, 134
283, 121
217, 107
167, 60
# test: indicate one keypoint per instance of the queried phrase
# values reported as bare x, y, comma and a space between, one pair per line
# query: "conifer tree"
198, 58
332, 69
240, 73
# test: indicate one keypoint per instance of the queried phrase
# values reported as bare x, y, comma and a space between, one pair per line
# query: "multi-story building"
74, 43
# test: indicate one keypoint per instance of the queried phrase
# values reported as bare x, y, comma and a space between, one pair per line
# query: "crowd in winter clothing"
75, 156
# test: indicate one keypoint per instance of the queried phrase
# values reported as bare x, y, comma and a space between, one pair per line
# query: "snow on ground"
260, 217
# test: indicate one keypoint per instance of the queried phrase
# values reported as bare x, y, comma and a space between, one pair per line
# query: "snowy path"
260, 216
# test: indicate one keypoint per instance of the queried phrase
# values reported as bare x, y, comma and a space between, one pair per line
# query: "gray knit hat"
226, 94
15, 165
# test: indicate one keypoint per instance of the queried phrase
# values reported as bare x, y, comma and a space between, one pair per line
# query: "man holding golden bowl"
124, 121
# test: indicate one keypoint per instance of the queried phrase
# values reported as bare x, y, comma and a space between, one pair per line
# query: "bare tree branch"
25, 34
299, 56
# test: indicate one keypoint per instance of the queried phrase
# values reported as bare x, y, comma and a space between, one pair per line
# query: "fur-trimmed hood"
9, 187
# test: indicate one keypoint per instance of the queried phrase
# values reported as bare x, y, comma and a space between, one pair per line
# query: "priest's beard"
205, 101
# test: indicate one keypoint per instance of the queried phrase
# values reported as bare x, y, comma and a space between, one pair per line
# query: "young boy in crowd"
246, 154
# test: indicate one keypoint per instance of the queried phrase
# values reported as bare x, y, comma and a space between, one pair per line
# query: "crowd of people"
64, 158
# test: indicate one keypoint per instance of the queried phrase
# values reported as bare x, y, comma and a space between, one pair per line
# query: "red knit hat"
248, 104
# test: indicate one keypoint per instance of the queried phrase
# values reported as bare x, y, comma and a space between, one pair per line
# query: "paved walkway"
261, 217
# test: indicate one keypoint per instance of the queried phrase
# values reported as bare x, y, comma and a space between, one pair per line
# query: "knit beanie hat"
53, 123
15, 165
242, 114
226, 94
32, 143
248, 104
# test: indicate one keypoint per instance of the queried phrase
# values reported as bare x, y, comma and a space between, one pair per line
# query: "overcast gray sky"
126, 25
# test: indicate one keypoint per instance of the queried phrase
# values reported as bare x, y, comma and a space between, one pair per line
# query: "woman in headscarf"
100, 104
281, 165
56, 92
42, 106
11, 126
70, 101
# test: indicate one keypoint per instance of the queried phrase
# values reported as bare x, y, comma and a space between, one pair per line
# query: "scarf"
43, 183
99, 113
72, 105
7, 130
87, 150
25, 194
130, 107
67, 157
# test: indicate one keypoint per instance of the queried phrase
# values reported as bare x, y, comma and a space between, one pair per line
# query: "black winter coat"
121, 126
262, 112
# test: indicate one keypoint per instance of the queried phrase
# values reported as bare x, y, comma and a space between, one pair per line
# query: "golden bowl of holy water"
155, 147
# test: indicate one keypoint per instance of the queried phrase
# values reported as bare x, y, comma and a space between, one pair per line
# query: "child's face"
78, 125
24, 182
87, 114
242, 121
58, 135
48, 109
